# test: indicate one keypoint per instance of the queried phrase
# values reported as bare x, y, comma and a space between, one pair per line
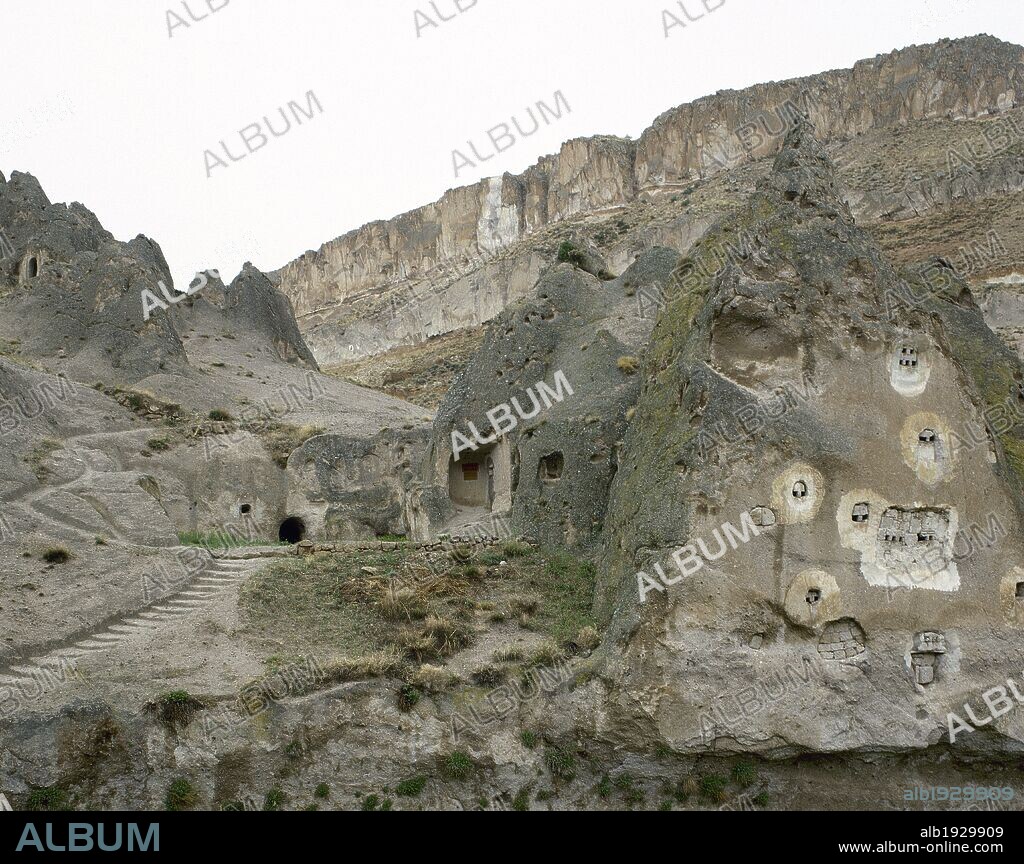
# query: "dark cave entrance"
293, 530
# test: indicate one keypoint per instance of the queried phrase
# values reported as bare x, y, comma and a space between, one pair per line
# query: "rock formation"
476, 248
800, 492
734, 478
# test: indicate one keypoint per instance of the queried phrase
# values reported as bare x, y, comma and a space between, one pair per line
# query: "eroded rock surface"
839, 422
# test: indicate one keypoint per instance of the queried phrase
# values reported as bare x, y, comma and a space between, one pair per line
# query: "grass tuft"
57, 555
181, 795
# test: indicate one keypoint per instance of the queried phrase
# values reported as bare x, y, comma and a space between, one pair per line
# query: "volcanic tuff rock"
855, 590
72, 293
336, 290
835, 380
196, 408
552, 471
253, 306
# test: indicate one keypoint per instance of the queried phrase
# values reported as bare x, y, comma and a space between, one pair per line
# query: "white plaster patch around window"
909, 368
797, 494
929, 447
901, 546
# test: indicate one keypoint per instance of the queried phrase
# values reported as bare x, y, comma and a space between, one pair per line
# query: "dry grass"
402, 604
40, 454
378, 664
433, 679
403, 613
435, 639
508, 654
421, 374
628, 365
545, 654
283, 439
524, 604
588, 638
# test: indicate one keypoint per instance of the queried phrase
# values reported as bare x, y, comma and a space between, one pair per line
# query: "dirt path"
52, 661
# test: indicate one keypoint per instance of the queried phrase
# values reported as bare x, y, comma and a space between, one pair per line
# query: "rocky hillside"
721, 504
458, 262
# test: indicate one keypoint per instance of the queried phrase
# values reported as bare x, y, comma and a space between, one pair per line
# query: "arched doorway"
293, 530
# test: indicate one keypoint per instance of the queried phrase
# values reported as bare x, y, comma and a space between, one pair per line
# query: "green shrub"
220, 416
521, 803
569, 254
634, 796
274, 800
516, 549
47, 798
322, 791
411, 788
744, 775
57, 555
624, 782
408, 698
604, 788
457, 766
529, 739
177, 707
370, 803
181, 795
159, 445
561, 764
712, 788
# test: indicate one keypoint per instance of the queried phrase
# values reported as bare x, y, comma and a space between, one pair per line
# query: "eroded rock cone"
839, 415
73, 295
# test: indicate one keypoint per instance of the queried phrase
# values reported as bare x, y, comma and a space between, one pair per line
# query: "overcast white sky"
105, 107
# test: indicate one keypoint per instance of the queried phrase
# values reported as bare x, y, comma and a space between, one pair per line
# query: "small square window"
551, 468
908, 357
1020, 590
813, 597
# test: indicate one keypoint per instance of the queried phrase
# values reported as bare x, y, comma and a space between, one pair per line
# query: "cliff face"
955, 79
441, 243
808, 391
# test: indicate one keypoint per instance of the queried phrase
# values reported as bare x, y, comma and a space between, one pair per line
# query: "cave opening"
293, 530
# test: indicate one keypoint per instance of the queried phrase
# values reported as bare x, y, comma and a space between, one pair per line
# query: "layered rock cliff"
460, 252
